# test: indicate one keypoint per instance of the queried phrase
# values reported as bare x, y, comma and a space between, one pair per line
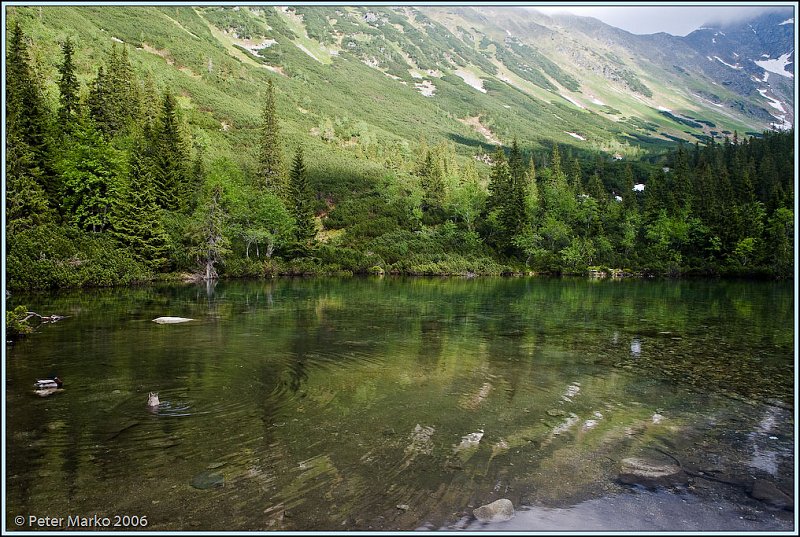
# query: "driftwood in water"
43, 318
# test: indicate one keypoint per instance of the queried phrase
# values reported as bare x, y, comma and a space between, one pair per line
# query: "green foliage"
52, 257
28, 121
135, 173
301, 208
68, 88
209, 242
136, 218
91, 170
270, 157
170, 159
17, 322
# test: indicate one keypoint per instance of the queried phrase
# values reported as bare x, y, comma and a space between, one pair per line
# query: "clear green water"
393, 404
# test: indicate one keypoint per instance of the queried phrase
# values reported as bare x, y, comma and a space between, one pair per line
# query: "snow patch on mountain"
723, 62
774, 103
776, 65
470, 79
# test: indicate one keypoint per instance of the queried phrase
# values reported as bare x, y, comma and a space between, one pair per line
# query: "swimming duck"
152, 400
44, 384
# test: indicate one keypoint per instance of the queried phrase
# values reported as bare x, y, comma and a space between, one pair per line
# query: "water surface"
402, 404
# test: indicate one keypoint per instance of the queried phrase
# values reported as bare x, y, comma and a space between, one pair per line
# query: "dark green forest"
107, 185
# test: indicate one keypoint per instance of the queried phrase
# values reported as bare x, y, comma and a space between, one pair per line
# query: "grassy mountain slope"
364, 66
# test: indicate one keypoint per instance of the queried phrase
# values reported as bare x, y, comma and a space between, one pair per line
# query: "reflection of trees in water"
431, 341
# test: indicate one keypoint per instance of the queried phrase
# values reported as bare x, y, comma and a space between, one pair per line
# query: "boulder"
649, 473
497, 511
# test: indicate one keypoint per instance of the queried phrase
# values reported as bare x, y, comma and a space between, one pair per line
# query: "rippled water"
401, 404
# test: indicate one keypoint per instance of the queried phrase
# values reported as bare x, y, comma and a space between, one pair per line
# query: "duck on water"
45, 387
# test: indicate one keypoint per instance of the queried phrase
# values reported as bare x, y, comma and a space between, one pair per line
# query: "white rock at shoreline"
171, 320
497, 511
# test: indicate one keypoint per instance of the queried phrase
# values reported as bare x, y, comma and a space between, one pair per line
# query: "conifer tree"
515, 163
98, 103
596, 189
90, 170
27, 123
150, 103
136, 219
302, 211
557, 177
26, 201
170, 158
432, 184
68, 87
576, 176
270, 157
532, 197
629, 200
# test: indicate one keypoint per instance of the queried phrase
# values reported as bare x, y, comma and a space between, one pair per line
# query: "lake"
404, 404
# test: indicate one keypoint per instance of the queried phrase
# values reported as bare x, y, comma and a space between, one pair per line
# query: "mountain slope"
471, 75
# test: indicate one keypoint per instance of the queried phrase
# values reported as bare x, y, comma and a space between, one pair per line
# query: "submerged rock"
650, 473
767, 492
207, 480
497, 511
171, 320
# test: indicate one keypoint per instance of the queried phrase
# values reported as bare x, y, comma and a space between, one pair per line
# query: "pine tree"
507, 212
270, 157
532, 196
576, 176
27, 122
150, 103
26, 201
170, 158
515, 163
302, 211
499, 182
629, 200
557, 177
432, 183
136, 217
98, 103
68, 87
596, 189
90, 170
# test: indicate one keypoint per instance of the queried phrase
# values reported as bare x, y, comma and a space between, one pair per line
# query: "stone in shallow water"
171, 320
497, 511
207, 480
767, 492
650, 473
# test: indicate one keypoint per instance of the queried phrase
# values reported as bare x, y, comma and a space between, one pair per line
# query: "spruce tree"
26, 201
68, 87
98, 103
432, 183
515, 163
90, 170
136, 218
270, 157
629, 200
27, 119
576, 176
170, 158
302, 211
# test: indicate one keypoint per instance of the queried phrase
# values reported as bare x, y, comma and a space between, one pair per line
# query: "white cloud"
650, 19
